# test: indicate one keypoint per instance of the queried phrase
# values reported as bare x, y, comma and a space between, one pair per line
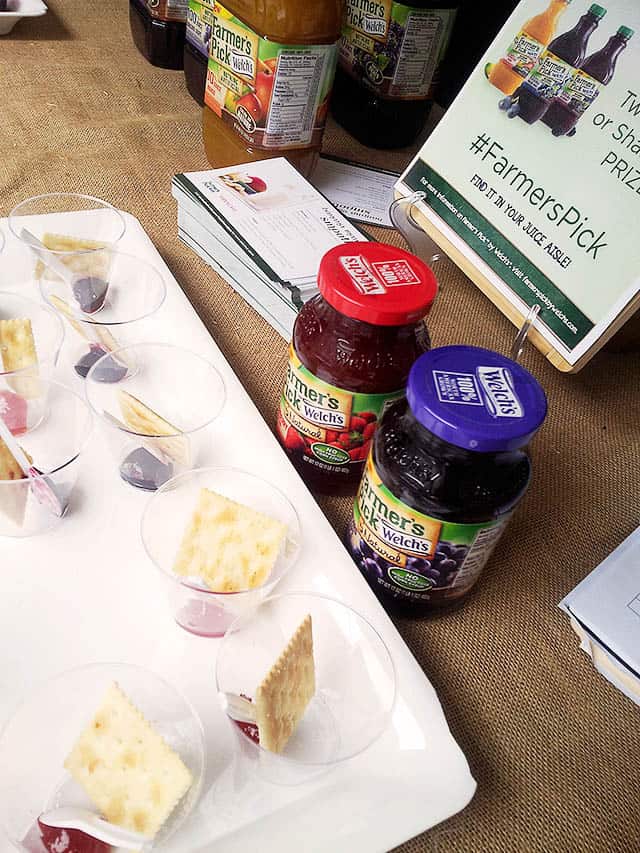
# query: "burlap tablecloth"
554, 747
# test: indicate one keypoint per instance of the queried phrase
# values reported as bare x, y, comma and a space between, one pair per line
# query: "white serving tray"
87, 593
20, 9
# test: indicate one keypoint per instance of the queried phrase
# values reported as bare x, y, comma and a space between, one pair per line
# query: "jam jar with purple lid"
447, 467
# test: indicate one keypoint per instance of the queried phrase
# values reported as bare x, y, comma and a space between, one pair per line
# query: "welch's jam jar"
353, 346
447, 467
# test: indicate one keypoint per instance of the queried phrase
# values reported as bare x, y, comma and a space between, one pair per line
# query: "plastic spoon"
41, 486
238, 708
90, 291
71, 817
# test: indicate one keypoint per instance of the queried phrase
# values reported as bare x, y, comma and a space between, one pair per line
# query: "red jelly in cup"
353, 346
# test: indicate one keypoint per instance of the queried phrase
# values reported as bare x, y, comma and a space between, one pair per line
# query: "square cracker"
129, 772
18, 352
230, 546
102, 333
143, 420
286, 690
84, 258
13, 498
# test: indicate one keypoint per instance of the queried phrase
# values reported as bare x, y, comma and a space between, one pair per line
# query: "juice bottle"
269, 77
526, 48
196, 47
158, 30
564, 54
583, 86
388, 65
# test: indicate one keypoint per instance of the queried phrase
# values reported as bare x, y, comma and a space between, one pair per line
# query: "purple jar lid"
475, 398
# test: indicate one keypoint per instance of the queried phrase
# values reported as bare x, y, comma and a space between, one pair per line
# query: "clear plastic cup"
135, 294
59, 425
355, 683
19, 371
38, 737
197, 608
185, 394
57, 218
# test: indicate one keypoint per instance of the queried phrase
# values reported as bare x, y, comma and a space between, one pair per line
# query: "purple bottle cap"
476, 399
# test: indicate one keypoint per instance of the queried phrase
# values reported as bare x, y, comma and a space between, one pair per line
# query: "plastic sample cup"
136, 291
157, 404
23, 361
197, 608
55, 444
59, 221
38, 737
355, 683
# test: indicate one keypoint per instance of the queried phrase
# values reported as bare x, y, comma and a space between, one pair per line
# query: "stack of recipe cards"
264, 228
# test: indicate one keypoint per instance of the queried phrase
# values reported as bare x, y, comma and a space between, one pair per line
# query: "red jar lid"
377, 283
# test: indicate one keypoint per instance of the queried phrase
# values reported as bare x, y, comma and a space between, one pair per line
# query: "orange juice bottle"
270, 72
526, 48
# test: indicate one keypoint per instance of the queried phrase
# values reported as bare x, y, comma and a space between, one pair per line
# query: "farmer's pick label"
328, 427
523, 53
549, 75
274, 96
412, 555
200, 25
394, 49
580, 91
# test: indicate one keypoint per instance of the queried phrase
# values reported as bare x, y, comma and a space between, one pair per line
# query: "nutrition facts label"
295, 96
418, 56
483, 545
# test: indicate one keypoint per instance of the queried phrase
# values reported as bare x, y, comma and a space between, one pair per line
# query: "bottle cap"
625, 32
475, 398
377, 283
597, 11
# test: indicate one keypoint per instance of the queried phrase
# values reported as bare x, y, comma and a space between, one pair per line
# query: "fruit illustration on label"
249, 112
264, 86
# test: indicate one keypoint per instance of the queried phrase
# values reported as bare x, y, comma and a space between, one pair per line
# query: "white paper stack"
264, 228
605, 613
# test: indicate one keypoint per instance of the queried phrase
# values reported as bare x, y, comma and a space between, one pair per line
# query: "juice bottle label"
199, 26
579, 92
549, 75
524, 52
393, 49
413, 556
325, 426
168, 10
273, 95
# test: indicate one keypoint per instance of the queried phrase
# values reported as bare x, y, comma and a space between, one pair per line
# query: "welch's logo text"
499, 394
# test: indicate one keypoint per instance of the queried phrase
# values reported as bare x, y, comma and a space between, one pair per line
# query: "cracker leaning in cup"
127, 313
31, 336
158, 413
222, 538
306, 683
39, 465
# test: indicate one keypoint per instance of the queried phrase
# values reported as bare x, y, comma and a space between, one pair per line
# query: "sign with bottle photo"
532, 179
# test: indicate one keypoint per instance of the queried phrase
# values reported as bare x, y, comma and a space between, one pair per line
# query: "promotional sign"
532, 179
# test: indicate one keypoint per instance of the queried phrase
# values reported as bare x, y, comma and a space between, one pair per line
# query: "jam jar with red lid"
447, 467
353, 346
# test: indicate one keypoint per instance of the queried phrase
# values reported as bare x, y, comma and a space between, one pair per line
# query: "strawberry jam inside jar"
353, 346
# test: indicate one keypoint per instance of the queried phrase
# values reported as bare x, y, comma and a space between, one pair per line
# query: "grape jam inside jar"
353, 346
447, 468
